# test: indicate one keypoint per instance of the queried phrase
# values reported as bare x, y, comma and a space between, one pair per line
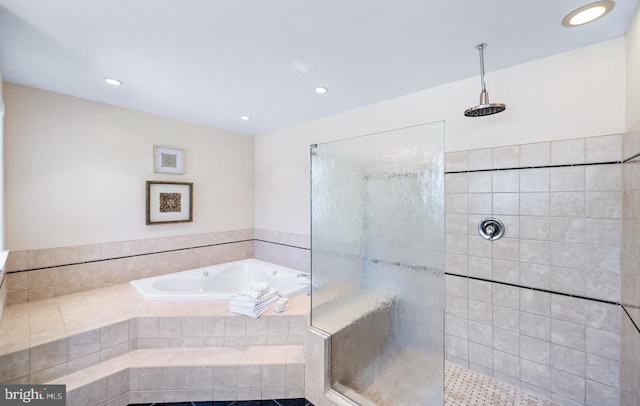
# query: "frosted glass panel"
377, 260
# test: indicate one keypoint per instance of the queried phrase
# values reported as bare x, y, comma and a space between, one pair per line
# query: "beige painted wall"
76, 172
632, 37
574, 94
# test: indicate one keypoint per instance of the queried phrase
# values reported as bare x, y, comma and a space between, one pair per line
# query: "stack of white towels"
254, 299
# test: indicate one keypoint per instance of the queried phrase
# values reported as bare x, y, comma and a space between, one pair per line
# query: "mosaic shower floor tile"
465, 387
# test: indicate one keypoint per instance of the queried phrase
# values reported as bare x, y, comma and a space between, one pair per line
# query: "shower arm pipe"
480, 48
484, 95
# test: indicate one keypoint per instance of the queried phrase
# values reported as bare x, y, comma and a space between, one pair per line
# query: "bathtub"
220, 282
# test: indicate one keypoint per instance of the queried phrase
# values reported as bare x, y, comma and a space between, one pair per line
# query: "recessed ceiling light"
588, 13
112, 81
245, 118
321, 90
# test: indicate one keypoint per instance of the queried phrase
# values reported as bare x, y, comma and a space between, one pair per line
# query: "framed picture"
168, 160
169, 202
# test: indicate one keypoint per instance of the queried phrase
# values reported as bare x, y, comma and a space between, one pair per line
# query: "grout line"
536, 289
535, 167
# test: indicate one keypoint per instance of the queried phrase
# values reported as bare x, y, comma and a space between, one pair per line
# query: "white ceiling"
211, 61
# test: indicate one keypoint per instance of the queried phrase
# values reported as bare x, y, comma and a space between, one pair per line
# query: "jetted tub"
220, 282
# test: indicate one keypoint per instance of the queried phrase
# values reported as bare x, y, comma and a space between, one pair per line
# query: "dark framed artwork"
169, 202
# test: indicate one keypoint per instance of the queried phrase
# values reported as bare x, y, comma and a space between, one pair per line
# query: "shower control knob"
491, 229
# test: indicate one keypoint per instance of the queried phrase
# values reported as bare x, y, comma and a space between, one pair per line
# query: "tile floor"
465, 387
34, 323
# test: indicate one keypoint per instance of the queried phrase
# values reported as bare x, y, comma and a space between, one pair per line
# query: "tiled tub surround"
40, 274
630, 272
286, 249
538, 308
44, 340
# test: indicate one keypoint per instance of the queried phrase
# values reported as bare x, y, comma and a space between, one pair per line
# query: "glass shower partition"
377, 263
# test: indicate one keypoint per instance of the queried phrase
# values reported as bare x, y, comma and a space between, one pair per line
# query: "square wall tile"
567, 204
506, 157
538, 154
568, 280
506, 181
506, 363
456, 183
456, 161
568, 334
481, 355
604, 178
566, 308
535, 374
536, 350
568, 385
568, 151
568, 360
536, 326
605, 148
534, 204
480, 333
480, 182
534, 180
480, 159
568, 179
506, 204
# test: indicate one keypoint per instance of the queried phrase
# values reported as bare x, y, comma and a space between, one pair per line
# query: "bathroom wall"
75, 195
630, 273
547, 99
539, 307
568, 347
632, 47
76, 172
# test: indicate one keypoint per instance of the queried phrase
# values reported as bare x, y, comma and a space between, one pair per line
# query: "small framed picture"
168, 160
169, 202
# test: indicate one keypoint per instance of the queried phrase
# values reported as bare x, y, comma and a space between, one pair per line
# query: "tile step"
189, 374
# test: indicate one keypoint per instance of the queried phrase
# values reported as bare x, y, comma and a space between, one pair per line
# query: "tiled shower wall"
630, 355
539, 307
40, 274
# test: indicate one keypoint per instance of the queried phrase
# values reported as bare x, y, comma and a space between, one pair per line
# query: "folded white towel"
246, 301
257, 311
254, 290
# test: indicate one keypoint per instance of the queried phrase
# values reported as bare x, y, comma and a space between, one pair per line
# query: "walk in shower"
377, 260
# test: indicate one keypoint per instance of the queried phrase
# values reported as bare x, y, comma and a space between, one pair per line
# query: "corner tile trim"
631, 158
630, 318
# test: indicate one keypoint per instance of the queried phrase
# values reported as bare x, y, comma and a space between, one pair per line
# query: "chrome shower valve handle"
491, 229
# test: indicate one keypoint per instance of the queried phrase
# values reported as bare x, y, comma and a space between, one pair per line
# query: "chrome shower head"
484, 108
